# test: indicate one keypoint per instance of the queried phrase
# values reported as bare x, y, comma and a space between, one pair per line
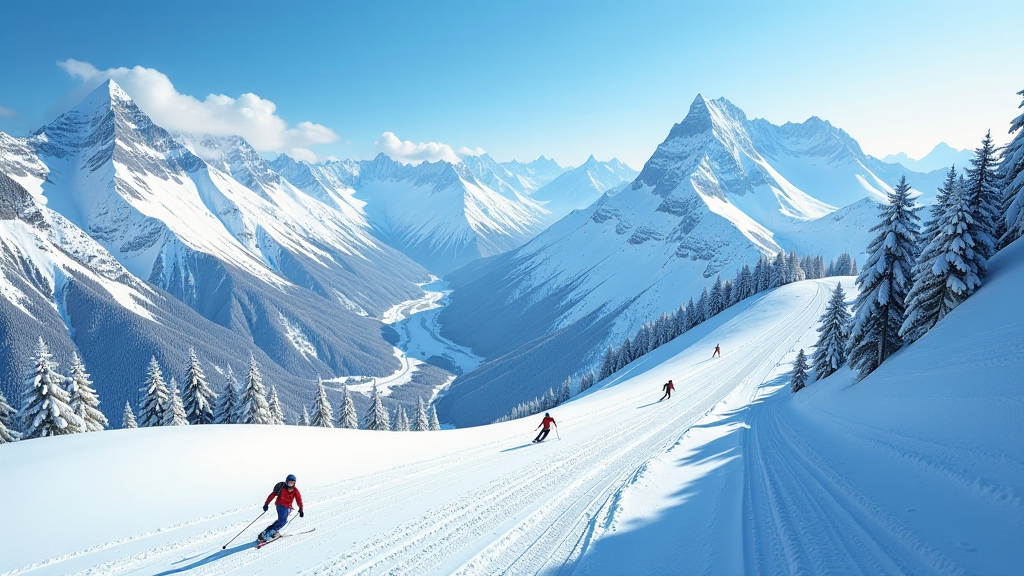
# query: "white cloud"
411, 153
248, 116
7, 112
478, 151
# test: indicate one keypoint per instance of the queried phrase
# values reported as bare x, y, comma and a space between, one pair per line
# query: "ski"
262, 544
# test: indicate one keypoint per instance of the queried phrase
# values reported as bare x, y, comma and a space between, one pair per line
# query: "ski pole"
557, 434
243, 530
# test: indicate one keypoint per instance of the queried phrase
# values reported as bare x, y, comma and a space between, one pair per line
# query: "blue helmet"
290, 478
547, 414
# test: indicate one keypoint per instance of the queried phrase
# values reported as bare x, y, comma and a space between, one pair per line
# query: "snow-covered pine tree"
625, 355
691, 315
323, 414
434, 424
679, 322
566, 393
587, 380
550, 400
254, 408
128, 417
401, 423
607, 365
84, 400
45, 408
951, 266
985, 197
701, 310
807, 265
197, 398
779, 271
794, 271
155, 397
762, 274
833, 334
800, 368
1011, 179
175, 415
716, 298
274, 403
727, 288
376, 417
228, 401
9, 430
819, 266
746, 284
347, 417
304, 417
422, 420
641, 342
880, 308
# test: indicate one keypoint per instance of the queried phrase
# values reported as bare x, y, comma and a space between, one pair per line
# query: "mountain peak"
115, 91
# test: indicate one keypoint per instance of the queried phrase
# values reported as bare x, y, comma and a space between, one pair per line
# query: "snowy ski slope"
726, 477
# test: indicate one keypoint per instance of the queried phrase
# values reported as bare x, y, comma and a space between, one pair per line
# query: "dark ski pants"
668, 394
282, 518
543, 434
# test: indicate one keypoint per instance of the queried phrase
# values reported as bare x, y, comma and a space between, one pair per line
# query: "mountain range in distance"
120, 233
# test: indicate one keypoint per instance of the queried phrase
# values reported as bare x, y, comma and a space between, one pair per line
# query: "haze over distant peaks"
941, 157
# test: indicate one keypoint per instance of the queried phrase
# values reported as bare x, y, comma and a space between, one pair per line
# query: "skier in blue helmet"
286, 493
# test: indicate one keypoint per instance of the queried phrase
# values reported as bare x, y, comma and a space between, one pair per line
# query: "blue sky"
563, 79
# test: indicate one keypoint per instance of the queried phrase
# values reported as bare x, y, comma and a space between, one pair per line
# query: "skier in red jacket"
718, 351
546, 423
668, 387
286, 493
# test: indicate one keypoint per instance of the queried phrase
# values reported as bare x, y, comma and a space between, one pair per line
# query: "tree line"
767, 273
54, 404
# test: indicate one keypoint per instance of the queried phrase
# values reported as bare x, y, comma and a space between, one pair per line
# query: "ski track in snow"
802, 517
491, 512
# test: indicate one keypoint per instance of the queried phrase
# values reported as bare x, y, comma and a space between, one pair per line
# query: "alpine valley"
124, 241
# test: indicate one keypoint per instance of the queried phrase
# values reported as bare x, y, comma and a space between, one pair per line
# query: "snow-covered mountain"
720, 191
515, 177
291, 275
940, 158
580, 187
440, 214
58, 283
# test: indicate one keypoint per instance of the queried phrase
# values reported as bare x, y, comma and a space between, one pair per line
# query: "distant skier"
668, 387
546, 423
285, 492
718, 351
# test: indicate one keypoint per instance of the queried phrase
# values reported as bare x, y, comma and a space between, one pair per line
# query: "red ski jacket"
286, 497
668, 386
548, 422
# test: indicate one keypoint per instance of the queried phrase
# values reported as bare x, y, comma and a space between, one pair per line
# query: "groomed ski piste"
918, 469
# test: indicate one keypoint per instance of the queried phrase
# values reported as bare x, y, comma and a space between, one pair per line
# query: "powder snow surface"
919, 469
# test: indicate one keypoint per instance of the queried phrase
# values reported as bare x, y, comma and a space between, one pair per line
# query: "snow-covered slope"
442, 215
580, 187
917, 469
909, 471
720, 191
292, 275
419, 502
